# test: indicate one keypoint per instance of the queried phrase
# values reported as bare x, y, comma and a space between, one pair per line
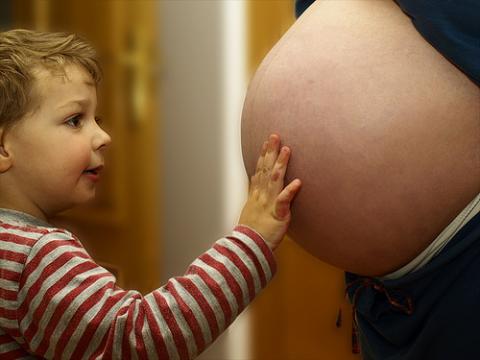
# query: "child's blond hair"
22, 52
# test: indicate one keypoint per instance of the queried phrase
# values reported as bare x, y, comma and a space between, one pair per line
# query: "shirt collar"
21, 218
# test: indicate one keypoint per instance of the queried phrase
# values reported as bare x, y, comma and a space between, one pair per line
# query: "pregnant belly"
384, 132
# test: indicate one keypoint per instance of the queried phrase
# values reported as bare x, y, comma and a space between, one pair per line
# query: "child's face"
53, 147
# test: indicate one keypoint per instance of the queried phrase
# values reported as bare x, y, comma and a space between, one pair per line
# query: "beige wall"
203, 86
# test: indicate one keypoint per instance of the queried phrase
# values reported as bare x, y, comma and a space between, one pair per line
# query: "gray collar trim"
21, 218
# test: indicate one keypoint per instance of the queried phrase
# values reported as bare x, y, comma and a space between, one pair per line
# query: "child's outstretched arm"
68, 307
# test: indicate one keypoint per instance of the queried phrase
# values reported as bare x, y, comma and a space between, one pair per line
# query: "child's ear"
5, 158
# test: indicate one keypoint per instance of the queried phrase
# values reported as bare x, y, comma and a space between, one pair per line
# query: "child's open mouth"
93, 173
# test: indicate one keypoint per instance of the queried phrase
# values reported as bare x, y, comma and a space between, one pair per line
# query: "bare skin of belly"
384, 132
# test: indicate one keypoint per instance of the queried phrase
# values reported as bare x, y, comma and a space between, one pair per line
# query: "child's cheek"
81, 158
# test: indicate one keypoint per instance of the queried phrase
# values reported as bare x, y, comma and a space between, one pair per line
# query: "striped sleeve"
69, 307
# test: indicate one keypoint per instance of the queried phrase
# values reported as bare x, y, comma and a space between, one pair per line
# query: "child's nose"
102, 139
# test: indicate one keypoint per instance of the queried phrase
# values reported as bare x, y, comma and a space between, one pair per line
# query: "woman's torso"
385, 133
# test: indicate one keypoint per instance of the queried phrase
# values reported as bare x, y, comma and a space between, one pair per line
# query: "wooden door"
295, 317
121, 228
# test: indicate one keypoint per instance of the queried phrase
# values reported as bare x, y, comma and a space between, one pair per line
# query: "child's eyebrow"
81, 102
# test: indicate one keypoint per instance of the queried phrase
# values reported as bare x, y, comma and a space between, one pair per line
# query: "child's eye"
98, 120
75, 120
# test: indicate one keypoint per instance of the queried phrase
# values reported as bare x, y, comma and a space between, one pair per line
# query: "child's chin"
86, 198
91, 198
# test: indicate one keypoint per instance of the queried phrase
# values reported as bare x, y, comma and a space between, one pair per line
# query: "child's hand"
267, 209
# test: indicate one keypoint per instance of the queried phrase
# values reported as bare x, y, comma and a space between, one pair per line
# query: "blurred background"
175, 76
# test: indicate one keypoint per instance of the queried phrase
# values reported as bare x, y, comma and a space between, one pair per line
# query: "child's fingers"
265, 165
284, 199
271, 155
261, 158
278, 173
259, 166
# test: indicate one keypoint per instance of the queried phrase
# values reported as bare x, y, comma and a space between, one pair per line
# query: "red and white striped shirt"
56, 302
